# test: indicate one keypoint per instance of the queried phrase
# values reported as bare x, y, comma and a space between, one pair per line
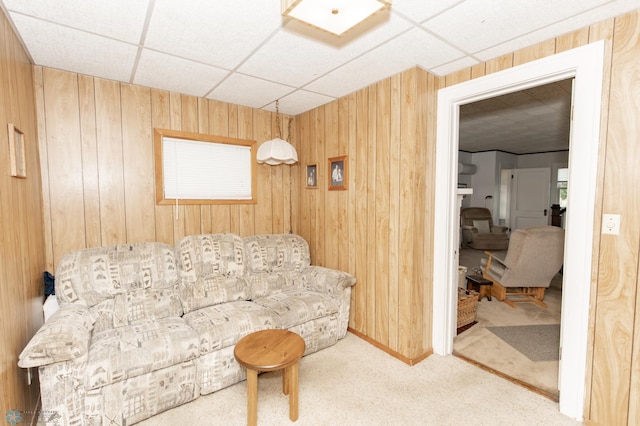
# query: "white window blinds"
204, 169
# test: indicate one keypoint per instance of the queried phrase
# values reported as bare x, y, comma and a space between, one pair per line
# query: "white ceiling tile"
299, 102
419, 10
295, 56
175, 74
220, 33
68, 49
558, 28
249, 91
401, 53
479, 24
453, 66
119, 19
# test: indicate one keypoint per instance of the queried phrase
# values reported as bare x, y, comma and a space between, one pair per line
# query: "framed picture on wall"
312, 176
338, 169
16, 152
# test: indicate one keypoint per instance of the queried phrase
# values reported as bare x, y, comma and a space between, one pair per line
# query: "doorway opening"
585, 64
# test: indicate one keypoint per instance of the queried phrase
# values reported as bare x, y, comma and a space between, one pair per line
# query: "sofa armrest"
65, 336
497, 229
326, 280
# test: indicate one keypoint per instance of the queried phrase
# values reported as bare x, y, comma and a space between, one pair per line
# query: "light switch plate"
611, 224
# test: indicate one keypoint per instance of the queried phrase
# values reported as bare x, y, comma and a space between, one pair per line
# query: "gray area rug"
536, 342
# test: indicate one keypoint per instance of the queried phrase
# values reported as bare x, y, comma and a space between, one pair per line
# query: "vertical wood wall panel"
90, 180
343, 196
395, 257
321, 195
331, 209
370, 214
22, 242
138, 164
380, 256
408, 147
601, 31
110, 167
64, 161
360, 171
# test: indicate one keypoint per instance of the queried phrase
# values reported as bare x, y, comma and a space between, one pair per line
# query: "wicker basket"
467, 303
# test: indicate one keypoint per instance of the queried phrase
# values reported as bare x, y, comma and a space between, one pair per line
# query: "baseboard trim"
533, 389
406, 360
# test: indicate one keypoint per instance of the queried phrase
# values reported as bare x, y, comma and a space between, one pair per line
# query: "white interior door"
529, 197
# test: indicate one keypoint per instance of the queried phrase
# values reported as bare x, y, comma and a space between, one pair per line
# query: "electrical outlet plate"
611, 224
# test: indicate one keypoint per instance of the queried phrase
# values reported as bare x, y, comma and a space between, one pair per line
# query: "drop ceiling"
244, 52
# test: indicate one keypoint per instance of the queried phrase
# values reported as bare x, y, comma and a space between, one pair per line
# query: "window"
563, 178
193, 168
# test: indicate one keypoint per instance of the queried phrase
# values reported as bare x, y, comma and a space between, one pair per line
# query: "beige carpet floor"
484, 347
355, 383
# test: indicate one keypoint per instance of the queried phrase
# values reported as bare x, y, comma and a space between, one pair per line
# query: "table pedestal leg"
252, 397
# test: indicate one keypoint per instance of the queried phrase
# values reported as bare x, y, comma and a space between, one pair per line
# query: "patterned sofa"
143, 328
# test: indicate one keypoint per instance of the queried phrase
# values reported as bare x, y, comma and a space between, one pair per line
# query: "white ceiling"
244, 52
529, 121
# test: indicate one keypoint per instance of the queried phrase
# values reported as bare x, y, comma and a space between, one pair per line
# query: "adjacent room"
206, 184
521, 136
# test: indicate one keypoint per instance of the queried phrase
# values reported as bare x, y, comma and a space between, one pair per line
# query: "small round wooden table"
270, 350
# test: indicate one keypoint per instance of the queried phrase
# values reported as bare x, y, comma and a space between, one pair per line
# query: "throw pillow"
482, 226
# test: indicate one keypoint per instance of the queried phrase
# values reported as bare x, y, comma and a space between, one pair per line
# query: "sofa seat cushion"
212, 290
129, 351
135, 307
265, 283
222, 325
295, 307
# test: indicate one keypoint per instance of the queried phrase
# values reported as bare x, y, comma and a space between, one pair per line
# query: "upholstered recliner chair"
534, 257
479, 232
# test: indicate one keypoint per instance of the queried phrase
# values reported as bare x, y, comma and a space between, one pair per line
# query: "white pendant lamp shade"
277, 151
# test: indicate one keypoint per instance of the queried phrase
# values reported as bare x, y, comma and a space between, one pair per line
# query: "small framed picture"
312, 176
338, 170
16, 152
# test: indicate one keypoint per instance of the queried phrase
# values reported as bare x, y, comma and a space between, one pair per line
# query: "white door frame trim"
586, 65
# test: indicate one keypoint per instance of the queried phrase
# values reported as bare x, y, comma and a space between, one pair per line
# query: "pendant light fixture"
277, 151
334, 16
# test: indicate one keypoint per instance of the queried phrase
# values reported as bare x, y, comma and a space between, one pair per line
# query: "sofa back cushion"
123, 284
274, 262
211, 269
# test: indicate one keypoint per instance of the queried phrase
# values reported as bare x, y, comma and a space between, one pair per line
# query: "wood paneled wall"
96, 144
378, 228
615, 395
21, 233
96, 153
386, 215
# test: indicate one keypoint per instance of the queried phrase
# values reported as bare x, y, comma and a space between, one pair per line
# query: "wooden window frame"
158, 138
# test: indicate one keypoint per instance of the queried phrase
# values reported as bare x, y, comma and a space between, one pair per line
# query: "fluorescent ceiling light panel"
335, 16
